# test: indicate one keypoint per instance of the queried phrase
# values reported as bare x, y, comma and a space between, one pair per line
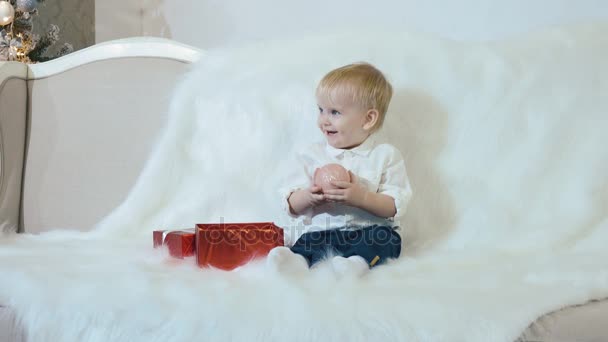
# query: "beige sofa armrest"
13, 110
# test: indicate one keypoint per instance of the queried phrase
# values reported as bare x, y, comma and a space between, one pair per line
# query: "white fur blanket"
506, 149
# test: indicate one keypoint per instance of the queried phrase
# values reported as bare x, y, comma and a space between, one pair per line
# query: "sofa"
65, 156
75, 134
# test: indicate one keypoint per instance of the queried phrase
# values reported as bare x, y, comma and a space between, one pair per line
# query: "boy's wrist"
361, 200
290, 205
299, 201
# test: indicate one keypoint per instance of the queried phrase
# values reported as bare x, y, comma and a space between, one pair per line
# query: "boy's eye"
320, 110
335, 112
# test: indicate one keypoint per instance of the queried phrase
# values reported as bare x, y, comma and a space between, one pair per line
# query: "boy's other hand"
316, 195
303, 199
350, 193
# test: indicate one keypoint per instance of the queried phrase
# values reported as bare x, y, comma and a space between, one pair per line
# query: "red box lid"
179, 242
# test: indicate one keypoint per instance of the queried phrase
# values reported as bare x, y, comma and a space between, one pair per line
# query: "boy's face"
344, 124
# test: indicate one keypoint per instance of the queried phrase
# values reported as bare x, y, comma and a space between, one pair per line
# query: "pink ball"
330, 173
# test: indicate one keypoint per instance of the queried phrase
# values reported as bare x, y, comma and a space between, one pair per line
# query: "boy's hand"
303, 199
316, 195
353, 194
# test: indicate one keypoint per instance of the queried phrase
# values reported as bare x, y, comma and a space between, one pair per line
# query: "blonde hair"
360, 82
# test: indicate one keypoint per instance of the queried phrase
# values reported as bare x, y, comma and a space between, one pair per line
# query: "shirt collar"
362, 150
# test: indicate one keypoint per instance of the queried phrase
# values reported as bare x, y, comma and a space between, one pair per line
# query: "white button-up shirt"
380, 167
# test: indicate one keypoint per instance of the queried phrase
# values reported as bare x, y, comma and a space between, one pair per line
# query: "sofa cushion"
575, 323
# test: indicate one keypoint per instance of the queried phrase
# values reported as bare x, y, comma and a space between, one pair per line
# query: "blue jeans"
375, 244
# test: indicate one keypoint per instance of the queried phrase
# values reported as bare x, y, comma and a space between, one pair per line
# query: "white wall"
210, 23
115, 19
75, 19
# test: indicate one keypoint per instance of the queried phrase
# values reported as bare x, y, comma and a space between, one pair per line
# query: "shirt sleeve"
299, 177
395, 183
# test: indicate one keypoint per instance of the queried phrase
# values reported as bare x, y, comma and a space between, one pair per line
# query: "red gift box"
229, 245
180, 242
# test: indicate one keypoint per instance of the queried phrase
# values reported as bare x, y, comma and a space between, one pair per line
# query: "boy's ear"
371, 118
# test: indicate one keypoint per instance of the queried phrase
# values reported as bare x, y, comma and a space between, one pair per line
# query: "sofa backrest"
93, 117
13, 109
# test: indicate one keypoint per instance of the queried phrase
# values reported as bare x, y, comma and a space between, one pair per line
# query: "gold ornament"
15, 47
7, 13
25, 47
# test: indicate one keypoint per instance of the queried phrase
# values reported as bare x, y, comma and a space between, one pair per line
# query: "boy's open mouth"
331, 132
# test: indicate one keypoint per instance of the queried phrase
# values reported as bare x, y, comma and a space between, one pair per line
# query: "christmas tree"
17, 40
